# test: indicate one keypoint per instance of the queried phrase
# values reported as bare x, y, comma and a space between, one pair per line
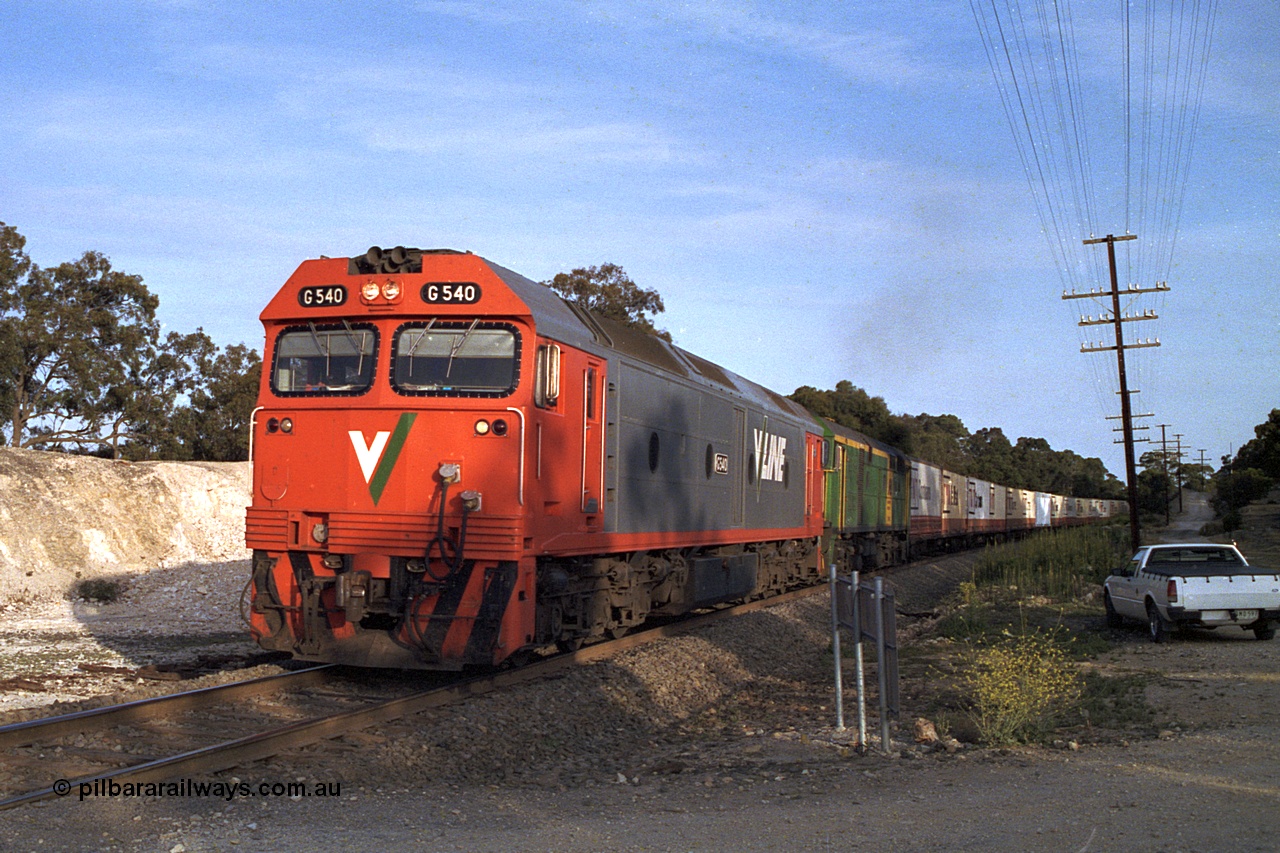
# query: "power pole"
1118, 320
1178, 436
1164, 464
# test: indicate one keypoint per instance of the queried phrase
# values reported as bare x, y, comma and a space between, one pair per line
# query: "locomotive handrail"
586, 430
253, 422
520, 489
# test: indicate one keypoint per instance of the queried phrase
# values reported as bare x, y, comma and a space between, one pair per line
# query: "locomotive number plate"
722, 463
451, 293
322, 295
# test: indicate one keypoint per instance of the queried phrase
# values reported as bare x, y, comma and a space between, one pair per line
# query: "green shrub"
1212, 528
1239, 488
96, 589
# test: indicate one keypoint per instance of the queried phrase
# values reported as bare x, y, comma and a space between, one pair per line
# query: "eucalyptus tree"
68, 338
608, 291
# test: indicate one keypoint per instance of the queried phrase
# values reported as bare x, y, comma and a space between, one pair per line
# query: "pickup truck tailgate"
1228, 592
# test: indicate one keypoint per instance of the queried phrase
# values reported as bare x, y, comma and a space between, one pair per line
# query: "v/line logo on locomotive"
369, 454
378, 458
771, 455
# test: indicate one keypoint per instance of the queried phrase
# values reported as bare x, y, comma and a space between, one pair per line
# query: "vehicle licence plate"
1245, 615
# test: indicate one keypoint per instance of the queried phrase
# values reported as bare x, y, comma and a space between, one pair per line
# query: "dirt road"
1185, 526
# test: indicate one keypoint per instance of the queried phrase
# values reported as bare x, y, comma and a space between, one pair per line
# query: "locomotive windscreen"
328, 359
455, 359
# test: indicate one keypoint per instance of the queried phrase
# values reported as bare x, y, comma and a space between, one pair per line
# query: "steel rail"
19, 734
228, 754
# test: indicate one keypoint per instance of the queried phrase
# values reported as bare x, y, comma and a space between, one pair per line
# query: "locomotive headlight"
320, 533
499, 427
369, 290
286, 425
391, 290
482, 427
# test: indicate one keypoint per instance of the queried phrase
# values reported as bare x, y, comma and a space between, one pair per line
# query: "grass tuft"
1061, 564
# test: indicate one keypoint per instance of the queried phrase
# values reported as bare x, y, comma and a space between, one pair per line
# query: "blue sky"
819, 191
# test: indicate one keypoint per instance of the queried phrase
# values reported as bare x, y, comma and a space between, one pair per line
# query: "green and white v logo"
378, 458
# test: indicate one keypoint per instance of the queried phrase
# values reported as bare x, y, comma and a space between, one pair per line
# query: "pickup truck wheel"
1265, 632
1158, 631
1113, 618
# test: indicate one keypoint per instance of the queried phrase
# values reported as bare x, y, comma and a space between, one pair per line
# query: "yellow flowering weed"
1019, 687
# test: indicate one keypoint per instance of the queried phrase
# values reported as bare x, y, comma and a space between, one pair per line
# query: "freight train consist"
454, 466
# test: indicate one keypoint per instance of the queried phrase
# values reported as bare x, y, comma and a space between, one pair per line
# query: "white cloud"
870, 55
476, 138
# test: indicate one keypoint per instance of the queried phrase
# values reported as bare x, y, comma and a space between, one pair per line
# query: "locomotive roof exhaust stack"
378, 260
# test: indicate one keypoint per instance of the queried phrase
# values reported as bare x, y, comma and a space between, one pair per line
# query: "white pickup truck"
1195, 584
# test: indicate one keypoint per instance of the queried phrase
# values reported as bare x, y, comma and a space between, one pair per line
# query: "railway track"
52, 747
79, 722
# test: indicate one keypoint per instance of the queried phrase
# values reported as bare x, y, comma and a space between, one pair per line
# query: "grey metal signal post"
868, 611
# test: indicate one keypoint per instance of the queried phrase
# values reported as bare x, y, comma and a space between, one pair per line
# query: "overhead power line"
1105, 144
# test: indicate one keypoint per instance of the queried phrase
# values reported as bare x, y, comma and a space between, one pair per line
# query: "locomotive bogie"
586, 599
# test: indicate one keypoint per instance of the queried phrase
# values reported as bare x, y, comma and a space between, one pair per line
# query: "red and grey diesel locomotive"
452, 466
